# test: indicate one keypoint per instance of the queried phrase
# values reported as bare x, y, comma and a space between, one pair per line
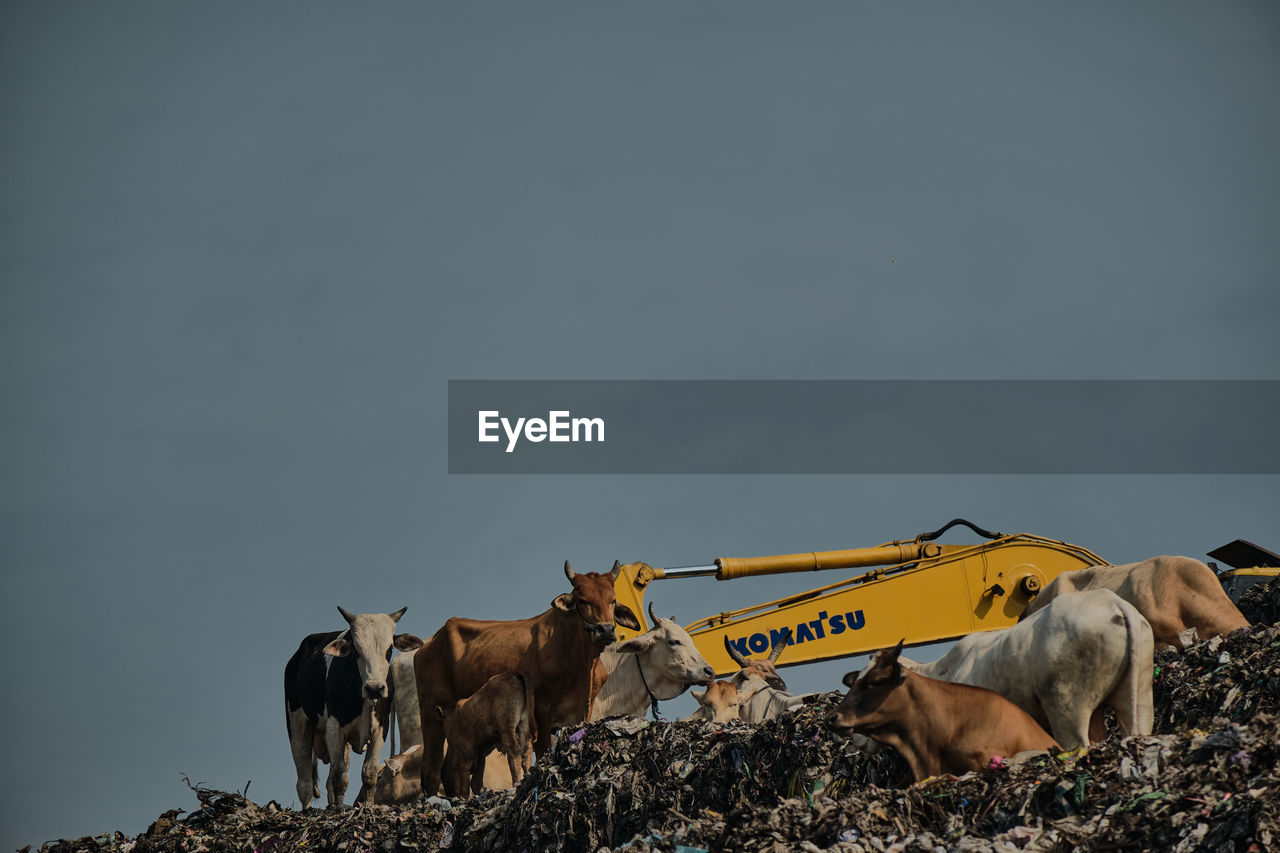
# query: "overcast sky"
243, 247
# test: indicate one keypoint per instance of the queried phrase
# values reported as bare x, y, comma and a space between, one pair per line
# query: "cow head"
722, 700
759, 667
594, 601
668, 659
873, 700
371, 636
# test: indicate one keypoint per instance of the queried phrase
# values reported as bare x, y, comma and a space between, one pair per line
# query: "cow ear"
407, 642
850, 679
697, 695
339, 648
623, 615
395, 762
636, 645
440, 712
395, 617
563, 601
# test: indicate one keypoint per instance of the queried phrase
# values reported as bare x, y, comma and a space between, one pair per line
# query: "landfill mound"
1206, 780
1260, 603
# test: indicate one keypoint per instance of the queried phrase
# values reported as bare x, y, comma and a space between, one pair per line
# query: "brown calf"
496, 716
936, 726
1172, 593
555, 651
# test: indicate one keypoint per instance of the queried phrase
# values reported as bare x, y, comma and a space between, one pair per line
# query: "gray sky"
244, 246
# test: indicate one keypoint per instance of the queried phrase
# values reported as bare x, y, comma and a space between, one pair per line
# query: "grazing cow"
936, 726
1063, 665
764, 693
720, 702
398, 780
555, 650
663, 664
1172, 593
495, 717
762, 667
336, 699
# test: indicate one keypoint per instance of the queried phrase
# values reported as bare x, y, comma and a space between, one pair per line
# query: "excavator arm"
917, 589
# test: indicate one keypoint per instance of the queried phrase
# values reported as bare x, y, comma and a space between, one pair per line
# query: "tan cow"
1172, 593
720, 702
398, 780
936, 726
555, 651
495, 717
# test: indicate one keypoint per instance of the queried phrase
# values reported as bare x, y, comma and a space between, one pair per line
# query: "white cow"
663, 664
1081, 652
762, 693
336, 700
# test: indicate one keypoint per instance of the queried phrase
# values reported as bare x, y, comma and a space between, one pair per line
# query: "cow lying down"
937, 727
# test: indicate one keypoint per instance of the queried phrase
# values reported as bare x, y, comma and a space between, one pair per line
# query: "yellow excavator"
915, 588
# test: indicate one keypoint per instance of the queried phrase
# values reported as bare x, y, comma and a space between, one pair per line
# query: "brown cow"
495, 717
936, 726
555, 650
1172, 593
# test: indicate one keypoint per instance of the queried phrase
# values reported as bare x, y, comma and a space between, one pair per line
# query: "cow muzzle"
602, 633
834, 723
375, 690
704, 676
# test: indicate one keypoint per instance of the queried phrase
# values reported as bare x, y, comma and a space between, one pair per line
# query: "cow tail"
1137, 680
391, 725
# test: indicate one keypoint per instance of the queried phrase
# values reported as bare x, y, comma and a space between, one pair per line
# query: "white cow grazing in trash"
763, 694
1082, 652
337, 699
657, 665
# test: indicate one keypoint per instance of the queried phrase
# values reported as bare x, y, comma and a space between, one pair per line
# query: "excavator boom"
915, 589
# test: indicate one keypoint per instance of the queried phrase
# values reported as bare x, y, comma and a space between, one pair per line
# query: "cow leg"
432, 755
301, 737
477, 773
339, 757
372, 760
1069, 725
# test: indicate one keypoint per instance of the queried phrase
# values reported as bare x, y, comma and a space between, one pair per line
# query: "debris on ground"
1208, 779
1260, 603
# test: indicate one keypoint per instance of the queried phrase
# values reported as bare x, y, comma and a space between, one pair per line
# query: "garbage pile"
1207, 780
1260, 603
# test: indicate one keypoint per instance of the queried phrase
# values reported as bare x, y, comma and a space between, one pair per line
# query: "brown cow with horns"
554, 651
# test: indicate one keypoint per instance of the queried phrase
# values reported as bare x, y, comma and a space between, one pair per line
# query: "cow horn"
653, 617
395, 617
734, 653
350, 617
780, 645
617, 567
568, 572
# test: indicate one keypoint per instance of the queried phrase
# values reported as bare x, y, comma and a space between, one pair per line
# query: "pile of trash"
1207, 780
1260, 603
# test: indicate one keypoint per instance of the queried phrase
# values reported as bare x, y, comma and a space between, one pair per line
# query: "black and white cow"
336, 701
